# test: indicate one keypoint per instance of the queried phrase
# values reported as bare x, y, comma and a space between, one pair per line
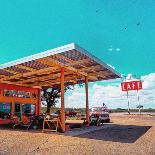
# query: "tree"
51, 96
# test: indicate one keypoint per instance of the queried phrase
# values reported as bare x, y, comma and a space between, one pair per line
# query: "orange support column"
12, 109
62, 100
39, 101
87, 103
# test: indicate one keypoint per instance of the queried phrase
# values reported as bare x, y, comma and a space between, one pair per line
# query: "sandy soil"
134, 135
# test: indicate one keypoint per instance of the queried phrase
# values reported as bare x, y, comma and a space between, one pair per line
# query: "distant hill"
82, 110
131, 110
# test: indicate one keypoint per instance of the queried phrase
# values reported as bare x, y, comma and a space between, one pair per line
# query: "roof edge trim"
54, 51
38, 55
78, 48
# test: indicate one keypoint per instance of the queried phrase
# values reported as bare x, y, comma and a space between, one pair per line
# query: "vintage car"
99, 115
71, 113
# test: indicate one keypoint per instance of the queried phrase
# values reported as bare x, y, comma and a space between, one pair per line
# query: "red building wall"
18, 94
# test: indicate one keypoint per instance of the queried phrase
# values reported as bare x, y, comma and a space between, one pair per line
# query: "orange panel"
34, 96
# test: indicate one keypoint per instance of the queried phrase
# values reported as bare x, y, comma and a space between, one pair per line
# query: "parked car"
99, 115
71, 113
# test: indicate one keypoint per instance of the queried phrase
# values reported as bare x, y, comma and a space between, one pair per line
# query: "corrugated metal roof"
43, 69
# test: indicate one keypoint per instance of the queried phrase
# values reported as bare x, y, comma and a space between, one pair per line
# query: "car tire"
108, 121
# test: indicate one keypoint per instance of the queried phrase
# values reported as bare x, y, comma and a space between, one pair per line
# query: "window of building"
28, 109
21, 94
13, 93
6, 92
27, 94
5, 109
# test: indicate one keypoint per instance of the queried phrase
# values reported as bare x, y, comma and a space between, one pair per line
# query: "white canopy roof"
43, 69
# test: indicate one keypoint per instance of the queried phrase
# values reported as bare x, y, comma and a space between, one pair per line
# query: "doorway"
17, 110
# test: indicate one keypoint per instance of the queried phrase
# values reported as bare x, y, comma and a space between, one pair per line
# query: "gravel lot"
134, 135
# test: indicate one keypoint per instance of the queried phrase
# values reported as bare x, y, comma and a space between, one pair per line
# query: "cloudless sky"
32, 26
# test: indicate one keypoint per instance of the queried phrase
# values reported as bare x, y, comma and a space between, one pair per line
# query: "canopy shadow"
117, 133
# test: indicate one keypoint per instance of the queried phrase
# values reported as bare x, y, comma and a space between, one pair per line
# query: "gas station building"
22, 80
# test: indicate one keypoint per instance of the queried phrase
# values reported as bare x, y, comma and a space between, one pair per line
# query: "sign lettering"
132, 85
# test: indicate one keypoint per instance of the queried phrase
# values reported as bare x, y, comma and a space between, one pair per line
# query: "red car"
71, 113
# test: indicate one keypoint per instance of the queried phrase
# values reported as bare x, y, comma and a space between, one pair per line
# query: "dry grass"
126, 135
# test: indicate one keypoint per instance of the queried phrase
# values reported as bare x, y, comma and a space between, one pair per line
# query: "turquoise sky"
32, 26
119, 32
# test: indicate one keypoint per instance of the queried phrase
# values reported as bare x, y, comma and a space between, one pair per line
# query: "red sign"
132, 85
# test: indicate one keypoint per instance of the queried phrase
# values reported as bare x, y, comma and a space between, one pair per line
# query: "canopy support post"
62, 100
87, 103
12, 109
39, 101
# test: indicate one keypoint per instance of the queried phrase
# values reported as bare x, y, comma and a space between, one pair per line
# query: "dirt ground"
134, 135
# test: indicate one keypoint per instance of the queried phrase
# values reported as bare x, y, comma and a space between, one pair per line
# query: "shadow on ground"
118, 133
113, 132
6, 127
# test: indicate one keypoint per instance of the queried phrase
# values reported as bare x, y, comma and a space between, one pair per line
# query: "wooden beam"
65, 58
42, 78
101, 73
14, 83
51, 75
50, 61
3, 76
18, 76
11, 71
55, 81
92, 68
76, 71
79, 62
50, 85
26, 68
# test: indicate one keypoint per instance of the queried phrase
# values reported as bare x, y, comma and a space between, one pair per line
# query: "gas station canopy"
44, 69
